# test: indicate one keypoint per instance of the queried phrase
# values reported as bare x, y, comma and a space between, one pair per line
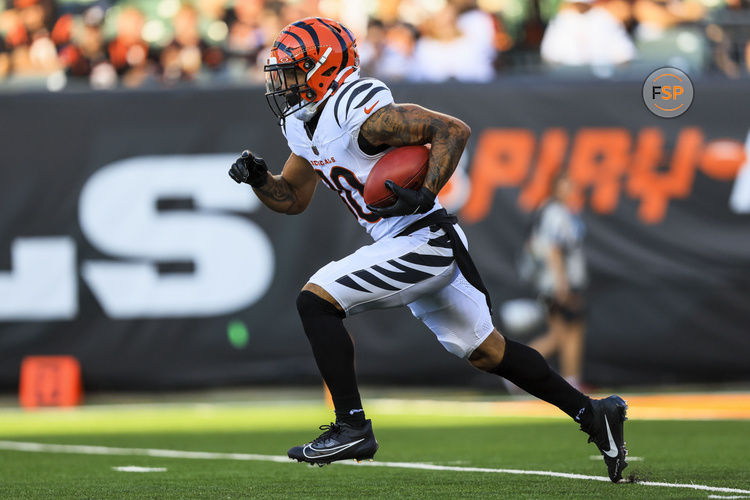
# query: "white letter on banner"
233, 258
42, 283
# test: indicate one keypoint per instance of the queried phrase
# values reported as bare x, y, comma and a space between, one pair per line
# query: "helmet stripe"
284, 48
311, 31
299, 40
349, 33
344, 48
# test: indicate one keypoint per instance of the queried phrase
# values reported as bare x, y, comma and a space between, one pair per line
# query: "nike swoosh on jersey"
367, 111
367, 98
332, 451
612, 452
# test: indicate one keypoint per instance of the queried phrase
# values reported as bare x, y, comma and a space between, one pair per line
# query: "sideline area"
692, 406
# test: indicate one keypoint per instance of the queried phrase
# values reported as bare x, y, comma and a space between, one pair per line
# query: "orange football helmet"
309, 60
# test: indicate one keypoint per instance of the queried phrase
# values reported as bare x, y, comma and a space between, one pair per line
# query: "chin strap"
305, 113
320, 63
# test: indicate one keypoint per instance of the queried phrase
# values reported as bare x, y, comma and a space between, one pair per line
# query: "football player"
337, 125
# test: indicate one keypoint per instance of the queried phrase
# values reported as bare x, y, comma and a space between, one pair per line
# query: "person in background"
371, 47
397, 59
478, 31
667, 31
564, 40
458, 43
658, 16
27, 34
556, 244
212, 10
730, 39
589, 32
4, 60
440, 48
187, 55
85, 55
245, 37
128, 51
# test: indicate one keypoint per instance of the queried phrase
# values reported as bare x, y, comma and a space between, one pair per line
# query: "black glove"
249, 169
409, 201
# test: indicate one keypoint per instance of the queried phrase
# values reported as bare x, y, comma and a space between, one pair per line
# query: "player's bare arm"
409, 124
289, 192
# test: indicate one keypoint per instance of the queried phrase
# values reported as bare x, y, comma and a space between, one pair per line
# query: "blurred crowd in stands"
134, 43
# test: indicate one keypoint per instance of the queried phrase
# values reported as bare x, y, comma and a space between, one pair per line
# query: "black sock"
334, 353
526, 368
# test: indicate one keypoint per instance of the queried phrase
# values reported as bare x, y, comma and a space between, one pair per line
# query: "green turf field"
710, 453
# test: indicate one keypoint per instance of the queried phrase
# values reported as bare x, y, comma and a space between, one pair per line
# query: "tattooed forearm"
277, 194
291, 191
447, 146
406, 124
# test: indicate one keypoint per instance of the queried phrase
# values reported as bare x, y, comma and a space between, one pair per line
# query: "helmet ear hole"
329, 71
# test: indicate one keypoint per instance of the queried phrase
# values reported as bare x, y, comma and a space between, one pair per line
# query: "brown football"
406, 166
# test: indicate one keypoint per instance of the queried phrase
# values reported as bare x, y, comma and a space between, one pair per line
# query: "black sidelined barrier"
124, 243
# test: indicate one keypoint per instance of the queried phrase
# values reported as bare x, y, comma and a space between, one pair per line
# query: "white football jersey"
334, 152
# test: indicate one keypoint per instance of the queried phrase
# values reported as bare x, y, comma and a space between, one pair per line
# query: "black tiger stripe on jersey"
406, 269
354, 93
348, 282
344, 91
299, 40
341, 92
311, 32
427, 260
374, 280
405, 275
367, 97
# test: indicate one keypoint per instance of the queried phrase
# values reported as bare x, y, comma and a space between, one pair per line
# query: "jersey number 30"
337, 173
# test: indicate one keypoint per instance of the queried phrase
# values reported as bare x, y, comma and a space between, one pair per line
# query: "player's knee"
310, 304
490, 353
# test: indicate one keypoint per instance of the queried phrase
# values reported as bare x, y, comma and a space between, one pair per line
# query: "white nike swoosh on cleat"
333, 451
612, 452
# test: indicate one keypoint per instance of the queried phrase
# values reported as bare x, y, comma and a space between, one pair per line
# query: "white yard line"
137, 468
205, 455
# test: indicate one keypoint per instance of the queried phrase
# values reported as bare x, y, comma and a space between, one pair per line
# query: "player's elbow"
460, 129
300, 205
465, 129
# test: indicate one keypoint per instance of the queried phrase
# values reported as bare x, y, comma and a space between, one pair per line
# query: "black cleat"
340, 441
605, 428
